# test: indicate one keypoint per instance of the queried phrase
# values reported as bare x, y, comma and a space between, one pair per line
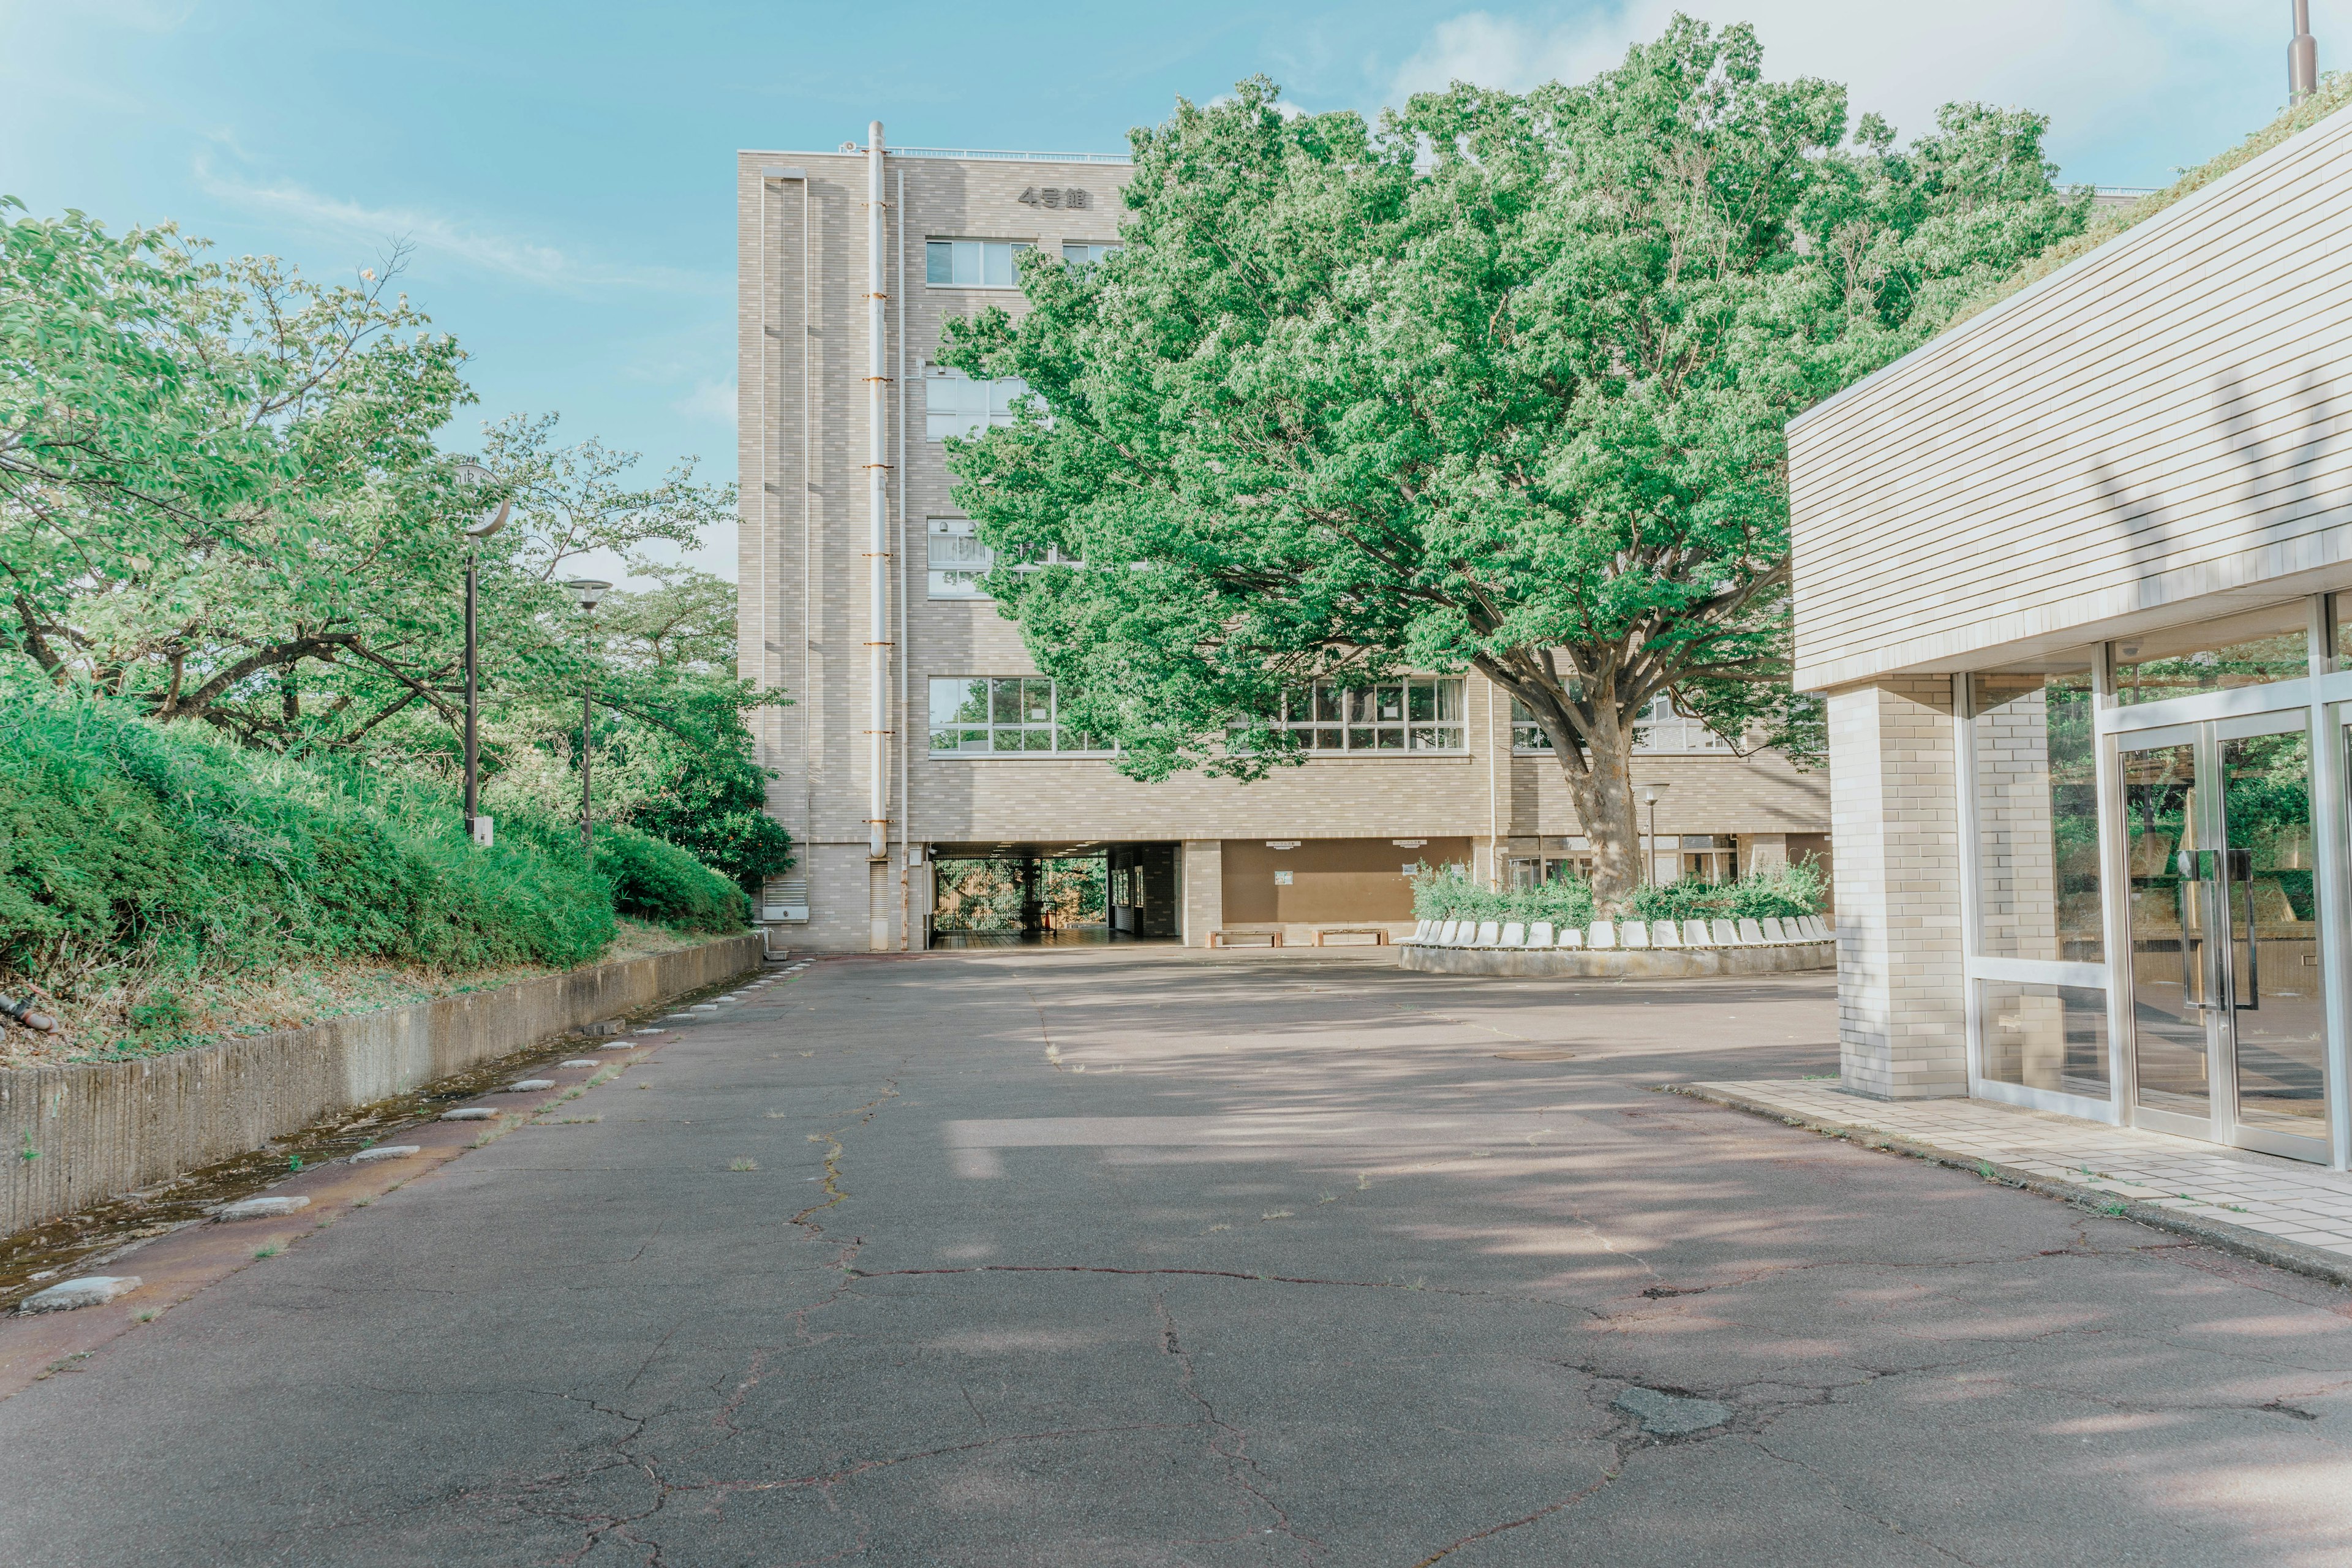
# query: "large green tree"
1496, 384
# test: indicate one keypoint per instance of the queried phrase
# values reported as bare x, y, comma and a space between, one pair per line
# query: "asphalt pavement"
1133, 1256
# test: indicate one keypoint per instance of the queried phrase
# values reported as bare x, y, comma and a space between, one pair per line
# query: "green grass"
138, 862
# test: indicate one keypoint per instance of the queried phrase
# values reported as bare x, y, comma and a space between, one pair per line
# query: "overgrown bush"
137, 860
1449, 893
658, 881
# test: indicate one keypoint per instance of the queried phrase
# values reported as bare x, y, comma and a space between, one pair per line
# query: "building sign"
1058, 197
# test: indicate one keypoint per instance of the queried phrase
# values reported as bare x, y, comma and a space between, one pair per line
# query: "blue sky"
563, 172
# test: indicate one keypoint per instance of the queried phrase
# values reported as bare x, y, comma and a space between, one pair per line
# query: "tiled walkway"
2201, 1188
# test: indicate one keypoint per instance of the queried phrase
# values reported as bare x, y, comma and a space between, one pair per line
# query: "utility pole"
2301, 57
473, 476
590, 593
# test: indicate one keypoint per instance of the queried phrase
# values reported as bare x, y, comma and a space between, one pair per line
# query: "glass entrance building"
2071, 578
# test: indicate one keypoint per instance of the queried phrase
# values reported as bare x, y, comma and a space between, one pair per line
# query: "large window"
972, 263
2037, 812
2049, 1037
1394, 716
1087, 255
1659, 729
2247, 649
955, 405
956, 559
977, 715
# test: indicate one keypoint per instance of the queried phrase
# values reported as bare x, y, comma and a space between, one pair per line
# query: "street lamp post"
589, 593
1650, 851
473, 476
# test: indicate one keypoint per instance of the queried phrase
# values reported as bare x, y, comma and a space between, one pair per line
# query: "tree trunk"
1601, 783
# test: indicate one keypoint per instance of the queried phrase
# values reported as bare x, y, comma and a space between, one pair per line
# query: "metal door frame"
2205, 721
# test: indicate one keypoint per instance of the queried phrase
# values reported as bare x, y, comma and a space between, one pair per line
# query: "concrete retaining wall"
1619, 964
105, 1129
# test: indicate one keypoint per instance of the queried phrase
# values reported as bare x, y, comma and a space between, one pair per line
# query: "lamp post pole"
1650, 850
473, 476
589, 593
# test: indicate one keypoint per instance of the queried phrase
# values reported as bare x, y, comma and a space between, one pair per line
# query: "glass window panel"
1390, 739
1421, 700
1331, 702
2247, 649
1449, 738
956, 700
972, 741
2044, 1037
1329, 740
1359, 739
938, 262
2037, 859
2274, 989
1423, 737
957, 560
1391, 704
1004, 695
1038, 738
1449, 698
1038, 697
997, 266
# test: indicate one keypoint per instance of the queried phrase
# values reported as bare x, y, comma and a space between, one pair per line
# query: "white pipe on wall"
877, 488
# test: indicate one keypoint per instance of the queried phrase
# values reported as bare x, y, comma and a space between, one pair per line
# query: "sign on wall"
1062, 197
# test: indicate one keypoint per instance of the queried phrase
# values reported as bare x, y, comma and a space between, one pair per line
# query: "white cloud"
451, 239
2091, 64
710, 400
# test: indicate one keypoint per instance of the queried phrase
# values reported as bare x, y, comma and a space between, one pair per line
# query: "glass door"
2228, 1030
2173, 983
2276, 1020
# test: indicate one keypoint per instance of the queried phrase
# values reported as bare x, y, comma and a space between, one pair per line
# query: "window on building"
972, 263
975, 715
1395, 716
1658, 729
2035, 783
956, 405
1710, 857
1087, 255
957, 559
2246, 649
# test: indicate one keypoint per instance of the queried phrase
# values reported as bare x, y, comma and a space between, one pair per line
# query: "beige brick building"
913, 737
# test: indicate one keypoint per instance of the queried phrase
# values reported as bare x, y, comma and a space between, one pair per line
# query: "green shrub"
658, 881
128, 846
1449, 893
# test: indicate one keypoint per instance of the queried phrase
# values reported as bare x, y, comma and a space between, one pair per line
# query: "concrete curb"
2278, 1253
73, 1137
1619, 963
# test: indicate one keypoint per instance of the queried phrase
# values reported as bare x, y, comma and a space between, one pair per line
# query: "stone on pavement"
90, 1290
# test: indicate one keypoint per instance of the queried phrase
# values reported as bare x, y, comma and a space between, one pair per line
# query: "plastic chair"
1602, 934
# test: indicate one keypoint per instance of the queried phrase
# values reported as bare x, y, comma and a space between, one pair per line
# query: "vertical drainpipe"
877, 488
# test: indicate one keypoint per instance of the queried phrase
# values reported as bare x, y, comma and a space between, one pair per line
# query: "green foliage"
658, 881
1779, 891
2335, 93
989, 895
1498, 382
131, 848
1450, 893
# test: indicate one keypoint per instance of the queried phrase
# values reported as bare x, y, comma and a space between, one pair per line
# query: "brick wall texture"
1894, 831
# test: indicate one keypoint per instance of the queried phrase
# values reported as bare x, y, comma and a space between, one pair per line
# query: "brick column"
1204, 889
1895, 838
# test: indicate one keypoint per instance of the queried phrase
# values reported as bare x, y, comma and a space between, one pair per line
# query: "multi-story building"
917, 730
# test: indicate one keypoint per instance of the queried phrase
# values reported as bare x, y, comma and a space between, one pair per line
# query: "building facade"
2072, 576
918, 730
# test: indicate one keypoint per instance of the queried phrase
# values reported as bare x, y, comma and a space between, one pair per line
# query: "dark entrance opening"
1014, 895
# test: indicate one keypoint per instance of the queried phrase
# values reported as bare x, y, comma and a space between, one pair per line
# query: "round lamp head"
472, 476
588, 592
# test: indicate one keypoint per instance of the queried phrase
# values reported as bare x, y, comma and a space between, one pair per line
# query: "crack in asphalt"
1241, 1471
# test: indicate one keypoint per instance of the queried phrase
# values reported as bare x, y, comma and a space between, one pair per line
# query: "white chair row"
1619, 934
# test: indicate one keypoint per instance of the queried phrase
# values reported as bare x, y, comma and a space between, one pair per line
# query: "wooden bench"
1248, 938
1380, 934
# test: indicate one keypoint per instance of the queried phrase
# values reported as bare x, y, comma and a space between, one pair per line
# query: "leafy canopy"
1498, 382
